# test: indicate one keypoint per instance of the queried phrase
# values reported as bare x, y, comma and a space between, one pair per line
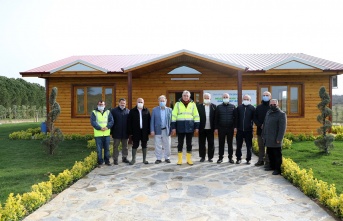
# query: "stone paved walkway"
204, 191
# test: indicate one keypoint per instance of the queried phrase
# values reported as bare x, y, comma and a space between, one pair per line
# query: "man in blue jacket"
119, 131
160, 128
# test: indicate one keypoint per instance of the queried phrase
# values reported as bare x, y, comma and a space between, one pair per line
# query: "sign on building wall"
216, 96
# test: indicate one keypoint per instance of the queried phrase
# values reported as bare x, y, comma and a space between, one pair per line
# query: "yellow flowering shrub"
33, 200
60, 182
13, 209
337, 129
286, 143
91, 161
91, 144
40, 193
45, 188
326, 194
255, 145
17, 207
78, 170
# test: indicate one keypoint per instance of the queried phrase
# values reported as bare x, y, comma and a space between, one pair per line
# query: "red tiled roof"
254, 62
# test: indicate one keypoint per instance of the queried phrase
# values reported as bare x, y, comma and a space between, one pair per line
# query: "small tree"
55, 136
325, 141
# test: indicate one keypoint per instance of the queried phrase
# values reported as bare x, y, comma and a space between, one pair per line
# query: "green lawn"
328, 168
26, 162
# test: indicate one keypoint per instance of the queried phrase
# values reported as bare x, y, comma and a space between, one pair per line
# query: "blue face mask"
265, 98
162, 104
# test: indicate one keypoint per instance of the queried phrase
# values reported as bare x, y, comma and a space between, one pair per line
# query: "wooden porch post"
129, 89
239, 87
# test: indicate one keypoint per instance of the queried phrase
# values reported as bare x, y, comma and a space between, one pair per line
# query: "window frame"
74, 88
289, 85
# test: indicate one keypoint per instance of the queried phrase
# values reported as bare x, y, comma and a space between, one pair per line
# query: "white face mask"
207, 101
140, 105
226, 100
101, 108
246, 102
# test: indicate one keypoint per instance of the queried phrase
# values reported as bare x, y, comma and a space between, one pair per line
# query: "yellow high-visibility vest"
183, 113
102, 120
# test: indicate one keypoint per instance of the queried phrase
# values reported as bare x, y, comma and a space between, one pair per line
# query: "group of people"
186, 119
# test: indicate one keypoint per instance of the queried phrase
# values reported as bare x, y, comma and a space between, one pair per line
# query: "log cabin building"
294, 79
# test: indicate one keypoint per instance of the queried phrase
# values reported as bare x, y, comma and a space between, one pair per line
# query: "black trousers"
180, 140
139, 138
203, 135
225, 134
275, 157
247, 136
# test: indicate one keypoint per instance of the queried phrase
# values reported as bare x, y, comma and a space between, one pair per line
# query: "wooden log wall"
151, 85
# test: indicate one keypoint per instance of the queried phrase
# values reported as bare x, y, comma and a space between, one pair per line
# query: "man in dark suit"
206, 129
138, 125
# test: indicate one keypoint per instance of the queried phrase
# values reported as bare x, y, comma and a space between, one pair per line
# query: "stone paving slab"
205, 191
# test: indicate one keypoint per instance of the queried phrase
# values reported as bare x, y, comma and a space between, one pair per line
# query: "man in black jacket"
260, 114
138, 125
206, 128
273, 131
119, 131
224, 126
244, 116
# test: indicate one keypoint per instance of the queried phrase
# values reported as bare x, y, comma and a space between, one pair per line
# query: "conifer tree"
325, 141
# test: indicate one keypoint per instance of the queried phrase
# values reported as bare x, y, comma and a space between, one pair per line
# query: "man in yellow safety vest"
102, 121
185, 121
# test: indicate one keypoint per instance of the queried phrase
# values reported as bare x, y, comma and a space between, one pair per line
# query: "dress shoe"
231, 161
125, 160
248, 162
210, 160
158, 161
276, 172
238, 162
167, 161
202, 160
259, 163
219, 160
115, 162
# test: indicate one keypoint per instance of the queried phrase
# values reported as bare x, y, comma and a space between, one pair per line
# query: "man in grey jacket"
160, 128
274, 128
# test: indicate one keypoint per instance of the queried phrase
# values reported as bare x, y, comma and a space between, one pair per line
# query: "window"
289, 95
86, 98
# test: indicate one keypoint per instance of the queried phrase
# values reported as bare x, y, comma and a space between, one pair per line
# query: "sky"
38, 32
